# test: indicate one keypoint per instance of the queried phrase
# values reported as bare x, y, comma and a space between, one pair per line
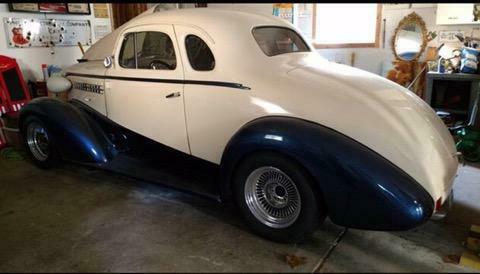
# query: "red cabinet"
13, 90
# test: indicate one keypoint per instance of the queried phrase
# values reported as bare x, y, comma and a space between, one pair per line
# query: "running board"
180, 173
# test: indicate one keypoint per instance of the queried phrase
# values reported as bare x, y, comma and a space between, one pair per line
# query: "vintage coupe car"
294, 138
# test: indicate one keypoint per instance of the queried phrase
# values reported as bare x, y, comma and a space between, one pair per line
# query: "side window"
199, 54
147, 50
155, 51
278, 40
127, 53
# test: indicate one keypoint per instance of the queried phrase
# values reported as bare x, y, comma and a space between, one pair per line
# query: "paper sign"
100, 31
448, 36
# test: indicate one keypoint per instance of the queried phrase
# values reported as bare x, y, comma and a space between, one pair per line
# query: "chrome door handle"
87, 99
173, 94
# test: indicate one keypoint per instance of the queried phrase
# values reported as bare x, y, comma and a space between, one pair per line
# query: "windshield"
278, 40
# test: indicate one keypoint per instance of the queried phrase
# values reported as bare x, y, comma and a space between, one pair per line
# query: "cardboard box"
473, 244
470, 259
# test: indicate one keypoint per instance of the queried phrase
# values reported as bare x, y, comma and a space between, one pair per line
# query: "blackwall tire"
286, 208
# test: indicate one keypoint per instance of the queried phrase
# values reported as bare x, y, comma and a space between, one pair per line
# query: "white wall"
31, 59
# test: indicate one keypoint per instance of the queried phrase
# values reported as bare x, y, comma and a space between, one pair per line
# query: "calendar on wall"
283, 10
28, 32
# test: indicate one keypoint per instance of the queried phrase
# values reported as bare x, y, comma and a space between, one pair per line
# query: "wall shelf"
455, 93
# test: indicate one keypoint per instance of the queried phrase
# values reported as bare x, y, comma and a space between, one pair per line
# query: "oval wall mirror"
410, 38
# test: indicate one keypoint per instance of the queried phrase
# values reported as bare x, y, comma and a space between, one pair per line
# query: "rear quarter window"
279, 40
199, 54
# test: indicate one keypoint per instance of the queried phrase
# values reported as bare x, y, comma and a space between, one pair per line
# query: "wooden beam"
314, 22
378, 26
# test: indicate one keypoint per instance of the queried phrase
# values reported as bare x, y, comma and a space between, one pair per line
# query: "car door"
144, 86
214, 112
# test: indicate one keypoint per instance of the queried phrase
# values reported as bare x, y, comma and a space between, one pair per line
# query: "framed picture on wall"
100, 10
61, 8
23, 7
78, 8
53, 7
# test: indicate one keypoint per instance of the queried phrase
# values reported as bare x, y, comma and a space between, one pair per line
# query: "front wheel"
277, 197
38, 142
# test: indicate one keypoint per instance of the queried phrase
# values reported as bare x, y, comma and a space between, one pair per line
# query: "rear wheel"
277, 198
38, 143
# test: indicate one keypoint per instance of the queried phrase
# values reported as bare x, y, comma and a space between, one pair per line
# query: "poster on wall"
284, 11
304, 18
28, 32
53, 7
100, 10
448, 36
78, 8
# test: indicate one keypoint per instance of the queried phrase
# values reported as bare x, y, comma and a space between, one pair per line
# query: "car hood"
378, 113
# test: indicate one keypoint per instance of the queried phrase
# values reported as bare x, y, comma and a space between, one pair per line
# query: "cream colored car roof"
217, 23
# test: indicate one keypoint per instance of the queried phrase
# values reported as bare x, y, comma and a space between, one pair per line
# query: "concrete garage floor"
74, 219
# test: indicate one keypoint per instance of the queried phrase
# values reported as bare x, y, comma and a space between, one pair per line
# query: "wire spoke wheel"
37, 140
272, 197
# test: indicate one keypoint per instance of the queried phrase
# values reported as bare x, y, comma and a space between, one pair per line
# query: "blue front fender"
361, 189
76, 135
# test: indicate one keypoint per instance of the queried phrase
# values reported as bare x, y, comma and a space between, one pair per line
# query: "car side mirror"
107, 62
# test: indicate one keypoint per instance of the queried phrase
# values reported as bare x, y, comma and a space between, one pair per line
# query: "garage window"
278, 40
148, 50
328, 24
199, 54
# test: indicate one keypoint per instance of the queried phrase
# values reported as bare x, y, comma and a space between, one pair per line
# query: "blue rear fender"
360, 188
76, 135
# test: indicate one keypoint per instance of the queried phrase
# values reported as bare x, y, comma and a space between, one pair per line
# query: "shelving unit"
453, 93
455, 14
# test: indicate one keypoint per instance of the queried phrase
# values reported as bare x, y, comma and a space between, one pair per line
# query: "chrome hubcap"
37, 140
272, 197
